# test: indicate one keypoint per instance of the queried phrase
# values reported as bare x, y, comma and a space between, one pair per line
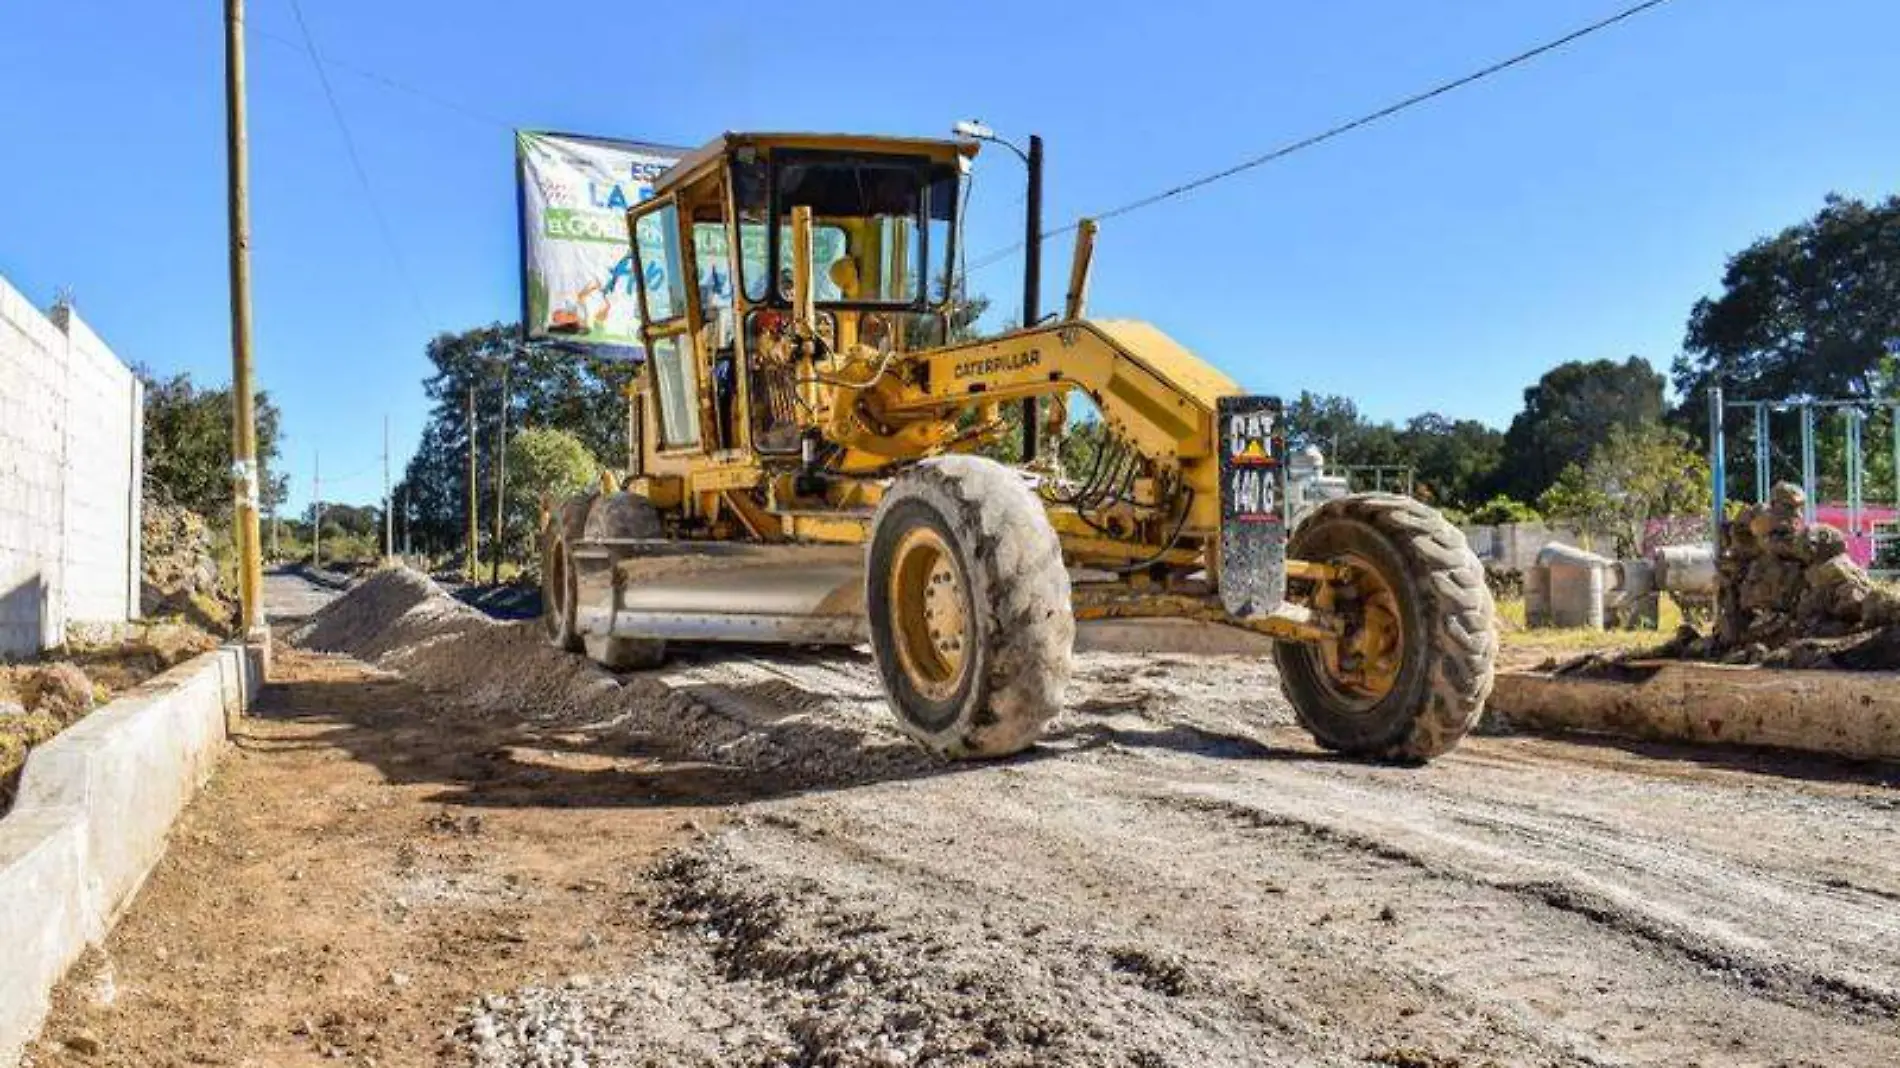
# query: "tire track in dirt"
1177, 878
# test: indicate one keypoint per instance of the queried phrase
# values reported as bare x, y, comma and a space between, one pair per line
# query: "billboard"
576, 270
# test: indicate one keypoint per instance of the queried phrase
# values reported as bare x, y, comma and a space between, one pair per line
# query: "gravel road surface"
1177, 877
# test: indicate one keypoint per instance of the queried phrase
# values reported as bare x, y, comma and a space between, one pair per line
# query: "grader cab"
809, 465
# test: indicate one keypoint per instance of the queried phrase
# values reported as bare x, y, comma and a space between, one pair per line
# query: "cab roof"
708, 155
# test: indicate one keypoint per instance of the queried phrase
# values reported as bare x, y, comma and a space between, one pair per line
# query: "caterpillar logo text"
990, 365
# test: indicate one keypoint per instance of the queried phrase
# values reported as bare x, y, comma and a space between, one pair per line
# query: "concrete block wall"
1514, 546
95, 806
71, 462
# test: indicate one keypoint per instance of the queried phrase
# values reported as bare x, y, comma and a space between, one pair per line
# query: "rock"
1822, 542
61, 691
1834, 570
1786, 499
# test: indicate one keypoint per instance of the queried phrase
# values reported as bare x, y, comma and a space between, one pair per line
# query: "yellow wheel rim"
929, 621
1363, 665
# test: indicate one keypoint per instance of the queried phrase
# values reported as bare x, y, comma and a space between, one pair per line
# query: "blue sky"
1571, 209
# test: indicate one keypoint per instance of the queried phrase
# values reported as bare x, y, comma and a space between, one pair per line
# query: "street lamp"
975, 130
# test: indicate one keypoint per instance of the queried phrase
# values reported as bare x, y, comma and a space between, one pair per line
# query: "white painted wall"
71, 458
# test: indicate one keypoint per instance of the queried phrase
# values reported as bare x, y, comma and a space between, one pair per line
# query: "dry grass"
1523, 647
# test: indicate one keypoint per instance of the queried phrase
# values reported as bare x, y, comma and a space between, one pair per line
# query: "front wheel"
971, 623
1411, 672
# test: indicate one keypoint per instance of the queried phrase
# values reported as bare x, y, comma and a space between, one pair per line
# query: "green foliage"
963, 317
1805, 313
1638, 474
1501, 509
349, 519
188, 446
547, 387
1573, 407
1452, 460
544, 462
545, 466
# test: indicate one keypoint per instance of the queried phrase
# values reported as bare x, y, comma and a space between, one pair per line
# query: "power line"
356, 162
387, 82
1323, 136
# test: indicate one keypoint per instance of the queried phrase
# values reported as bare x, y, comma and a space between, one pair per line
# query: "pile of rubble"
180, 571
1788, 595
37, 701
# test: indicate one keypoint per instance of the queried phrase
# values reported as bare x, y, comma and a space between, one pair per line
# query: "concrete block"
91, 820
1844, 713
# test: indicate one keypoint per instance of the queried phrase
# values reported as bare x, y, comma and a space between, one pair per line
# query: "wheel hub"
1362, 664
928, 614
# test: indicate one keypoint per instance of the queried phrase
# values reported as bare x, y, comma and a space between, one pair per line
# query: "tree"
547, 387
1500, 510
545, 466
1807, 313
188, 446
1570, 410
1453, 460
1638, 475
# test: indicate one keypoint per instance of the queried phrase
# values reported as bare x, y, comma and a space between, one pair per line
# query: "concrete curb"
94, 809
1842, 713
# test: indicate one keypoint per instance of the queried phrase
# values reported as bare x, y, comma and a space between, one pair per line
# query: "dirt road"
1175, 878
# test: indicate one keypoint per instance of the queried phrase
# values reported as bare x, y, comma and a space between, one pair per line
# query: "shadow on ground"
484, 758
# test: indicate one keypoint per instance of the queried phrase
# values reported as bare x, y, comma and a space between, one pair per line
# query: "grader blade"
723, 592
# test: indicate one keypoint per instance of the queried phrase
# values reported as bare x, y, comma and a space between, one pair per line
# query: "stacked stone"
1784, 579
181, 575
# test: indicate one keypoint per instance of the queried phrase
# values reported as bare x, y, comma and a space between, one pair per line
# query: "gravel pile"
706, 708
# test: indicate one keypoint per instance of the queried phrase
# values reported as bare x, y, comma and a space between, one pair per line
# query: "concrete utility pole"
316, 509
244, 417
474, 535
501, 480
389, 515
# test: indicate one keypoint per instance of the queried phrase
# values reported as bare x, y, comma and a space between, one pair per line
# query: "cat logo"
1250, 438
991, 365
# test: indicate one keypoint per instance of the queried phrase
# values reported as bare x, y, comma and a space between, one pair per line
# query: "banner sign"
1252, 505
576, 266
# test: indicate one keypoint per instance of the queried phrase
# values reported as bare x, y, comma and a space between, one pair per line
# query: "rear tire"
968, 599
1447, 620
611, 517
560, 594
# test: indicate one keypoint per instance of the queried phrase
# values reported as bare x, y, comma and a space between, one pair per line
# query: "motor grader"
808, 465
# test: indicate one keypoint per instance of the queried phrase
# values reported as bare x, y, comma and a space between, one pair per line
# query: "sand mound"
401, 621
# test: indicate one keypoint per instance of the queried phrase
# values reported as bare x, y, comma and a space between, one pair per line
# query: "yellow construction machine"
809, 465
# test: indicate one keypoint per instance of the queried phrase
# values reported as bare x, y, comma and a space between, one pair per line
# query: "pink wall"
1860, 545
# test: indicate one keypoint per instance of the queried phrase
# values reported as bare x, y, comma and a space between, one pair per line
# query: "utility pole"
316, 509
243, 415
501, 480
389, 516
1032, 280
474, 535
